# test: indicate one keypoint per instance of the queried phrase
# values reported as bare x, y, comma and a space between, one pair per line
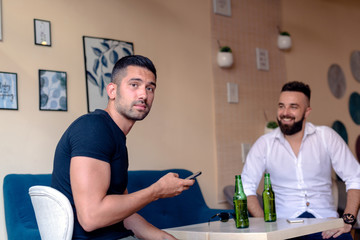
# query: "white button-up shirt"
301, 183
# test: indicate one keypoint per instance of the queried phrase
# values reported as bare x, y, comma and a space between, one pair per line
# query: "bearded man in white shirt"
300, 157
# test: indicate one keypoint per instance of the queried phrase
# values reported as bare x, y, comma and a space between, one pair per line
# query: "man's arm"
352, 207
352, 201
254, 207
90, 180
144, 230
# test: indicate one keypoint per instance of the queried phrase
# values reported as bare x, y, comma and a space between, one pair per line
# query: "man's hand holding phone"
193, 176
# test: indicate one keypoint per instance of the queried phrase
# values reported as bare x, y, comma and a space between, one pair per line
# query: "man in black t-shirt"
91, 161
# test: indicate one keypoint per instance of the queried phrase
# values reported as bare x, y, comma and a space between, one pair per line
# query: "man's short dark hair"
297, 87
132, 60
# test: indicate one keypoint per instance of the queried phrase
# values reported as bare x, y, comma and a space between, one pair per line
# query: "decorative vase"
284, 42
267, 130
225, 59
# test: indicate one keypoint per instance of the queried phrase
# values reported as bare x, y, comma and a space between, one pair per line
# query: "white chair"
53, 211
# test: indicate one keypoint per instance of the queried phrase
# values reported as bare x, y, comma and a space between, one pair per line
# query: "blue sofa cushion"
19, 214
187, 208
184, 209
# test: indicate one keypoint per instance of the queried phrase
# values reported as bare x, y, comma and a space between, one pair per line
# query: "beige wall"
178, 133
253, 25
324, 32
191, 124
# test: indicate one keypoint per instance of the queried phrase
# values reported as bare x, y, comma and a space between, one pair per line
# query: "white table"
258, 229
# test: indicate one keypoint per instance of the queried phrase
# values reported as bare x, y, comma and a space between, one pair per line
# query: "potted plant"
284, 40
270, 126
225, 57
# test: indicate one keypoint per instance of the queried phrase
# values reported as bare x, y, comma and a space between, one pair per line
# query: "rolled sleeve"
343, 161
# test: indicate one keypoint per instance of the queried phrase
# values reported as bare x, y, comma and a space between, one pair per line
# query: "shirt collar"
309, 129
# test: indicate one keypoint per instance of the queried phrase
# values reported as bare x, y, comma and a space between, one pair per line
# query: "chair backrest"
53, 211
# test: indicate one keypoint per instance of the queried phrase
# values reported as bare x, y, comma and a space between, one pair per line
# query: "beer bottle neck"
267, 182
238, 186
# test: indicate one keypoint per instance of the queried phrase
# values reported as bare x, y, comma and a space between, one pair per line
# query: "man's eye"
134, 84
150, 89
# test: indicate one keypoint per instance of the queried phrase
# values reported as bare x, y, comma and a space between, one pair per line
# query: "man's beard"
291, 129
132, 114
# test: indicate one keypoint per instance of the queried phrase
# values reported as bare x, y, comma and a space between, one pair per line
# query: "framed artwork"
101, 54
53, 90
222, 7
42, 31
1, 21
8, 91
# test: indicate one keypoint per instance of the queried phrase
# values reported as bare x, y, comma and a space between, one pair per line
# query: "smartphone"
295, 220
194, 175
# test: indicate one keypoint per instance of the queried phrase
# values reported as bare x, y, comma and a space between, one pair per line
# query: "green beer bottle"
269, 200
240, 205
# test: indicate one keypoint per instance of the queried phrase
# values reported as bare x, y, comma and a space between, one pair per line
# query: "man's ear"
111, 90
307, 111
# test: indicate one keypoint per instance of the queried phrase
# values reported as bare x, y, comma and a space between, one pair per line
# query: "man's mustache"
286, 116
141, 102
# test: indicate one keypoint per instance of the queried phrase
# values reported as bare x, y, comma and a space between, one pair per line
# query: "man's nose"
286, 111
142, 94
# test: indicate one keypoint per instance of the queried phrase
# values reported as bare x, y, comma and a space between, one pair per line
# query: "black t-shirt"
97, 136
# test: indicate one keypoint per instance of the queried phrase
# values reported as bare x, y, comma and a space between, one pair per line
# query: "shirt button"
307, 204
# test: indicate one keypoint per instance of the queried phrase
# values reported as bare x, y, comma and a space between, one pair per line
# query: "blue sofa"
187, 208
